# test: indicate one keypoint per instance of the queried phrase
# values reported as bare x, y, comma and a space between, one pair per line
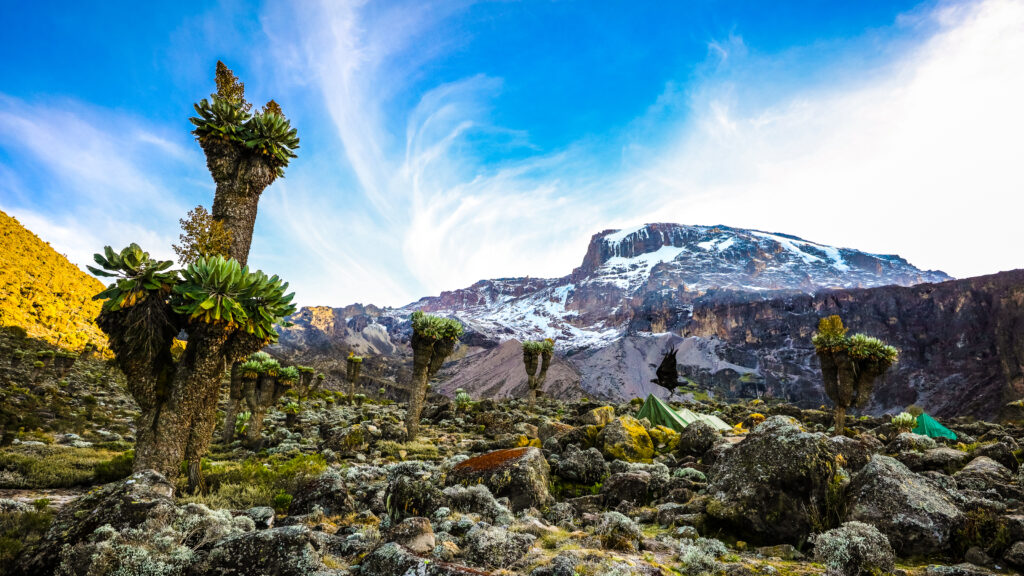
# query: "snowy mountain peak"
722, 257
646, 279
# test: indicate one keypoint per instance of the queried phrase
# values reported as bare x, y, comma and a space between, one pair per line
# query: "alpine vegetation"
433, 340
353, 366
849, 365
534, 353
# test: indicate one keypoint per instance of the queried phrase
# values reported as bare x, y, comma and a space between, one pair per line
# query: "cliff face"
961, 342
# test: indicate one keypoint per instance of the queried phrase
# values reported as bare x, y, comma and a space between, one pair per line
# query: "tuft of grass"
50, 466
256, 481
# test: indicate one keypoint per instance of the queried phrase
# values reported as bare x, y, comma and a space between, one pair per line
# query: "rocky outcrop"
776, 486
520, 474
915, 514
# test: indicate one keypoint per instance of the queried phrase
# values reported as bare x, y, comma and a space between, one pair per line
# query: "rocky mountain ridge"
741, 330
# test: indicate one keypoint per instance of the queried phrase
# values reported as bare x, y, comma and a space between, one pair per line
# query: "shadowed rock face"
961, 342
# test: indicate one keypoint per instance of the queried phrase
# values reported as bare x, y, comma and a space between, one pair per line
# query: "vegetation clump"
849, 365
353, 366
433, 340
535, 353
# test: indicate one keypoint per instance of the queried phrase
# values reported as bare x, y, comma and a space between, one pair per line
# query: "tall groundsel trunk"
195, 381
234, 403
422, 352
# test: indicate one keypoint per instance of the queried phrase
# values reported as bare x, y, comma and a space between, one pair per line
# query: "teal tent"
659, 413
928, 426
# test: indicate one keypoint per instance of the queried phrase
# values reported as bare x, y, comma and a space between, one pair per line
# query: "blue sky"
443, 143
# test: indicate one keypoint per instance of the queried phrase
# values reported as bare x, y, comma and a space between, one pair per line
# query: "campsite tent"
928, 426
659, 413
715, 422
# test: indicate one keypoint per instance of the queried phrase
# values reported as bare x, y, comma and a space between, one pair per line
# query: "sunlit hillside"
41, 291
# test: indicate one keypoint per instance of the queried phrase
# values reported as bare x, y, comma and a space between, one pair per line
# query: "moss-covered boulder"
665, 439
778, 485
917, 516
520, 474
598, 416
697, 438
624, 438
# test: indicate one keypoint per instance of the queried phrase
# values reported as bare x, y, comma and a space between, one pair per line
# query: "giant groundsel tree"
228, 313
535, 353
849, 365
433, 340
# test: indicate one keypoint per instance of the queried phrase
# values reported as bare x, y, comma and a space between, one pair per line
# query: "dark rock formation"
776, 486
915, 514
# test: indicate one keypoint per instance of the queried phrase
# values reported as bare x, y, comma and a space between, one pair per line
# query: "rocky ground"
564, 489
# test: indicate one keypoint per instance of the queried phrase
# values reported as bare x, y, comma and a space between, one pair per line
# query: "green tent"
715, 422
928, 426
661, 414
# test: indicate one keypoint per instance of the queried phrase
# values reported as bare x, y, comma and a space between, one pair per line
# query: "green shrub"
18, 530
116, 468
256, 481
904, 422
282, 500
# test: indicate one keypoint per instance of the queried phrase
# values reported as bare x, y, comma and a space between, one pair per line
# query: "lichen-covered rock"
916, 515
553, 429
697, 438
599, 416
285, 551
143, 497
412, 491
778, 485
416, 534
519, 474
984, 473
477, 499
624, 438
496, 547
908, 441
581, 466
854, 452
392, 559
633, 487
1014, 556
328, 491
617, 532
854, 549
942, 459
665, 439
1001, 452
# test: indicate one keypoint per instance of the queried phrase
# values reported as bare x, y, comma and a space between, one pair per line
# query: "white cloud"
105, 178
913, 152
920, 157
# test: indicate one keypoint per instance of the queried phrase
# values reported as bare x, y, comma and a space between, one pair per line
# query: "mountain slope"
626, 272
44, 293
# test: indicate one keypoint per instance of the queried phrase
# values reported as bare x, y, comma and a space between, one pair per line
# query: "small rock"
599, 416
416, 534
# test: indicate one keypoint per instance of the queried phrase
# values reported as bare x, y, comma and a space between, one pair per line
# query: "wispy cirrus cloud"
907, 139
83, 177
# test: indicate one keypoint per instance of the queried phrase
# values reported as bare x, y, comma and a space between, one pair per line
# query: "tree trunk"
199, 370
254, 435
422, 351
241, 178
234, 400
